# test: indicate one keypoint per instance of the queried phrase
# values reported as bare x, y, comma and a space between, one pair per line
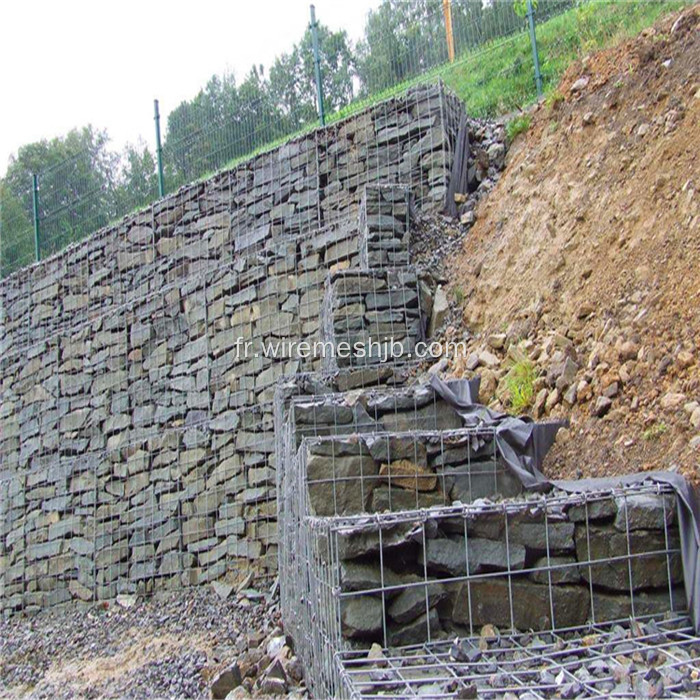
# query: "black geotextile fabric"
459, 178
523, 445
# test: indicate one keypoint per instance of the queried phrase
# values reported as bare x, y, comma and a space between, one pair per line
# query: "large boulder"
340, 485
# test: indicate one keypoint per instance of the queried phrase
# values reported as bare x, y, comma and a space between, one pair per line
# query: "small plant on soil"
655, 431
517, 125
554, 99
520, 382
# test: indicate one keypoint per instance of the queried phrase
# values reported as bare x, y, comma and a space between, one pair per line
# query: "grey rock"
611, 567
361, 616
644, 512
340, 486
450, 556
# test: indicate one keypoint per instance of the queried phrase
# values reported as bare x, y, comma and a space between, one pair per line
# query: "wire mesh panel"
403, 579
650, 658
385, 219
373, 317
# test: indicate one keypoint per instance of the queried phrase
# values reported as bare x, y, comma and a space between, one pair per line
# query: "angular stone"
405, 474
416, 631
568, 573
413, 601
491, 604
644, 512
77, 590
225, 422
558, 535
600, 509
450, 556
386, 499
361, 616
609, 606
341, 485
647, 570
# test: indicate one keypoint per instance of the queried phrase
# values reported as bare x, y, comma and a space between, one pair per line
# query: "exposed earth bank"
582, 267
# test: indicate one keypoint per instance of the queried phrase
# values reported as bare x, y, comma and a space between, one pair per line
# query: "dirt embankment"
586, 259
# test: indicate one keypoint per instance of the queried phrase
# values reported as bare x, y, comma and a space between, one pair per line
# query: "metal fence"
497, 56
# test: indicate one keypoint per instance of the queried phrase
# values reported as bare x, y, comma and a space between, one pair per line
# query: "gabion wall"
136, 422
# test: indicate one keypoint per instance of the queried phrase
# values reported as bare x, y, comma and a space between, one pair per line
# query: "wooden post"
447, 12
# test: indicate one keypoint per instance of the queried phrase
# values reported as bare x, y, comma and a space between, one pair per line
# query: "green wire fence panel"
83, 185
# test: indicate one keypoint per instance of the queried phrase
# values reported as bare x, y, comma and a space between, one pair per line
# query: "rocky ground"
199, 644
582, 265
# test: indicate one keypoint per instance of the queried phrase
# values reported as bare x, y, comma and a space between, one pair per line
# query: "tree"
337, 67
138, 180
402, 39
76, 175
16, 232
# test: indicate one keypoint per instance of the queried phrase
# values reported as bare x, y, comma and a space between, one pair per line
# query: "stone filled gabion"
137, 440
401, 527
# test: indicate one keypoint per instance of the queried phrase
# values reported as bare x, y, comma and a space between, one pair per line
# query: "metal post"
317, 66
533, 41
447, 12
35, 200
159, 151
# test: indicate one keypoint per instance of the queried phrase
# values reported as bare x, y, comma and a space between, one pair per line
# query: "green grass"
498, 78
501, 79
520, 383
516, 126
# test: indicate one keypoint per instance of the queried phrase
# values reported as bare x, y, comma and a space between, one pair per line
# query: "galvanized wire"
492, 72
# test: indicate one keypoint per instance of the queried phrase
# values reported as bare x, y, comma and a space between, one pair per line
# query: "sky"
71, 63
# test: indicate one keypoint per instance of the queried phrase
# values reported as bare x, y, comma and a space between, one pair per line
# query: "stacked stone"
400, 471
429, 567
373, 316
313, 181
402, 527
385, 219
144, 379
409, 138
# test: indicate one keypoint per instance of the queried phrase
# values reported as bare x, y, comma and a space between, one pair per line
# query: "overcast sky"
68, 63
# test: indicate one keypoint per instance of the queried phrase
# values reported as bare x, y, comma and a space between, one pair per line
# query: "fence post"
35, 202
317, 66
447, 12
159, 151
533, 41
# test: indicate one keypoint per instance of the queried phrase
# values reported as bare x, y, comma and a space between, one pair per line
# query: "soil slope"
585, 258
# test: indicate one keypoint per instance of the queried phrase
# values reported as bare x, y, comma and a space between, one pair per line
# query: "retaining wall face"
402, 472
450, 575
366, 310
311, 182
129, 413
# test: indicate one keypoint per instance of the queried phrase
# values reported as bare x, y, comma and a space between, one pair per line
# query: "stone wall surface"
136, 420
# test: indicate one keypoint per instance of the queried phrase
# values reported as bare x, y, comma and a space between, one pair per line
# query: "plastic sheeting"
523, 445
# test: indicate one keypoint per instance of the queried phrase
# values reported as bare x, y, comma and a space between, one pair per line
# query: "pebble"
188, 644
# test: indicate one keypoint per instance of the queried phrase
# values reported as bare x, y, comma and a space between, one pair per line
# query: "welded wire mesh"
142, 364
87, 186
653, 658
541, 564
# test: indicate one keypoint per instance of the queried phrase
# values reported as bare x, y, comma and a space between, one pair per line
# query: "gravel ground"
178, 645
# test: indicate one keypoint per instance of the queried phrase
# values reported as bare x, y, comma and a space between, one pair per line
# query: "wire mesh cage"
652, 658
545, 563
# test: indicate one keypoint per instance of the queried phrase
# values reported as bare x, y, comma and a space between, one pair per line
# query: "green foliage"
520, 383
459, 296
655, 431
518, 125
520, 7
554, 99
498, 77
